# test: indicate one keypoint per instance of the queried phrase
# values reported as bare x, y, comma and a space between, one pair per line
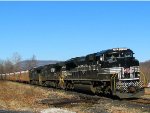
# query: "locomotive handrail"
114, 81
111, 83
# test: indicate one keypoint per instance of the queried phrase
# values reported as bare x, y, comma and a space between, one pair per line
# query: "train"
113, 72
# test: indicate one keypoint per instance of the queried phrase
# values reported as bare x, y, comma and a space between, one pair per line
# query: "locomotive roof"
82, 58
113, 50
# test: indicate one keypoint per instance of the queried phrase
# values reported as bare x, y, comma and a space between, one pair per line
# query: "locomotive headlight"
101, 58
137, 75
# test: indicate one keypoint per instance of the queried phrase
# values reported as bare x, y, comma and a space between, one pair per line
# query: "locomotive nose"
131, 89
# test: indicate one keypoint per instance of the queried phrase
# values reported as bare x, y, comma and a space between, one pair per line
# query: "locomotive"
113, 72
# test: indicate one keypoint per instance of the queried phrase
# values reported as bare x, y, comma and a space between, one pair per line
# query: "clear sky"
62, 30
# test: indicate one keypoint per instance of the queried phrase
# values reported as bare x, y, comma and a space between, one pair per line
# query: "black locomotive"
110, 72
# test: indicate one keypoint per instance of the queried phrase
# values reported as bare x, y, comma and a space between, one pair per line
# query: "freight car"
22, 76
113, 72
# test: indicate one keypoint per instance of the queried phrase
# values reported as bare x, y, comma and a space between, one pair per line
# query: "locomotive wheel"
99, 90
108, 91
93, 89
57, 84
70, 86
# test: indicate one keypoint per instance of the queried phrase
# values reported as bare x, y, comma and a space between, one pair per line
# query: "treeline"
145, 69
13, 64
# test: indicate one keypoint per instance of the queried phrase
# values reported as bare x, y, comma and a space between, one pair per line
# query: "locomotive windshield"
119, 54
112, 55
126, 54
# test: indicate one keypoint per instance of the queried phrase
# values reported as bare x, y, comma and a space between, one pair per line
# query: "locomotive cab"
122, 62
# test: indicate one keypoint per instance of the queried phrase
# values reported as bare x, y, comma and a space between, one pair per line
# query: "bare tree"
16, 59
1, 66
8, 66
31, 63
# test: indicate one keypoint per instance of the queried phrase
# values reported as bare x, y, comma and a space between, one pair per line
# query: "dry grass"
147, 91
15, 96
123, 110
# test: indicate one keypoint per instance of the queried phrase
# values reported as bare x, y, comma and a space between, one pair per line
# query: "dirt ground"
19, 97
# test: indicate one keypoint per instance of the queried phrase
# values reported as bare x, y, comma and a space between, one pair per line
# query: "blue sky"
62, 30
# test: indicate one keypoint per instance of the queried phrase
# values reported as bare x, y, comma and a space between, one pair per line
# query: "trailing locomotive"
110, 72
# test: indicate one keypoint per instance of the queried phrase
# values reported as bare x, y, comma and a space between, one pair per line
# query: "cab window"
112, 56
128, 54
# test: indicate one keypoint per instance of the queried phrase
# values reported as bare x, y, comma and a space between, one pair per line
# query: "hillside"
24, 63
145, 68
39, 62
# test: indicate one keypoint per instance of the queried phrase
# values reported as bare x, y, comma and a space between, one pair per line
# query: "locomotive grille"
124, 85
